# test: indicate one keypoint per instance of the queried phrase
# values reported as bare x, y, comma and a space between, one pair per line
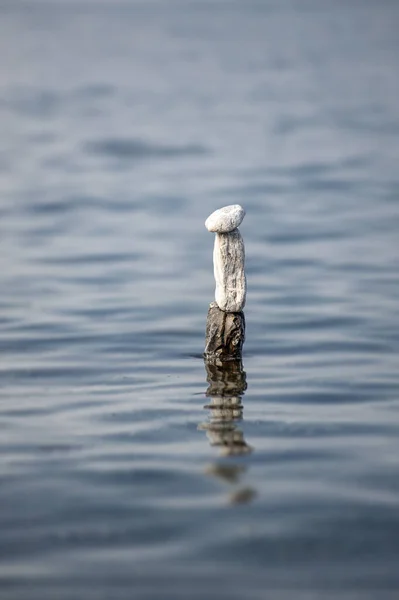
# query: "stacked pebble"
228, 257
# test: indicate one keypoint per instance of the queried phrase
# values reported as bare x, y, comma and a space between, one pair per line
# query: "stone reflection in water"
227, 384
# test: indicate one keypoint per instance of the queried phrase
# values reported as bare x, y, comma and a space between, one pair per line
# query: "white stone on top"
225, 219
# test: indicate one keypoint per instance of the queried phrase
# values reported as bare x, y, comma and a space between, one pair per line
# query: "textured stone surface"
225, 334
225, 219
228, 265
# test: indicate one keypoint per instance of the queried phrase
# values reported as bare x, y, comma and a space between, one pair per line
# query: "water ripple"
129, 468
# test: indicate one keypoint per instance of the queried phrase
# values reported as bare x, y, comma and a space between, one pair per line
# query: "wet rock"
225, 334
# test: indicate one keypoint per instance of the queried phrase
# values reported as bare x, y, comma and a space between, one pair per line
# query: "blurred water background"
123, 126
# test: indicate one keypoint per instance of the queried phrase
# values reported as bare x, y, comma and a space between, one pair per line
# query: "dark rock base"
225, 334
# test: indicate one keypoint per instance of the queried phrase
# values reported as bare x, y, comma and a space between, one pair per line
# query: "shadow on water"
227, 384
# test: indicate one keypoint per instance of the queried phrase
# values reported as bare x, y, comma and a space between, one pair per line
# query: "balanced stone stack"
225, 331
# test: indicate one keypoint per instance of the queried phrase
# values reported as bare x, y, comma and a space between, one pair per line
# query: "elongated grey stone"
229, 265
225, 219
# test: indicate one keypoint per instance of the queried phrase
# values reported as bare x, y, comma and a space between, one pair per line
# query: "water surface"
123, 127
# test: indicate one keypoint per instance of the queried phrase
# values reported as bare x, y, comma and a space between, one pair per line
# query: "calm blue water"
123, 126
